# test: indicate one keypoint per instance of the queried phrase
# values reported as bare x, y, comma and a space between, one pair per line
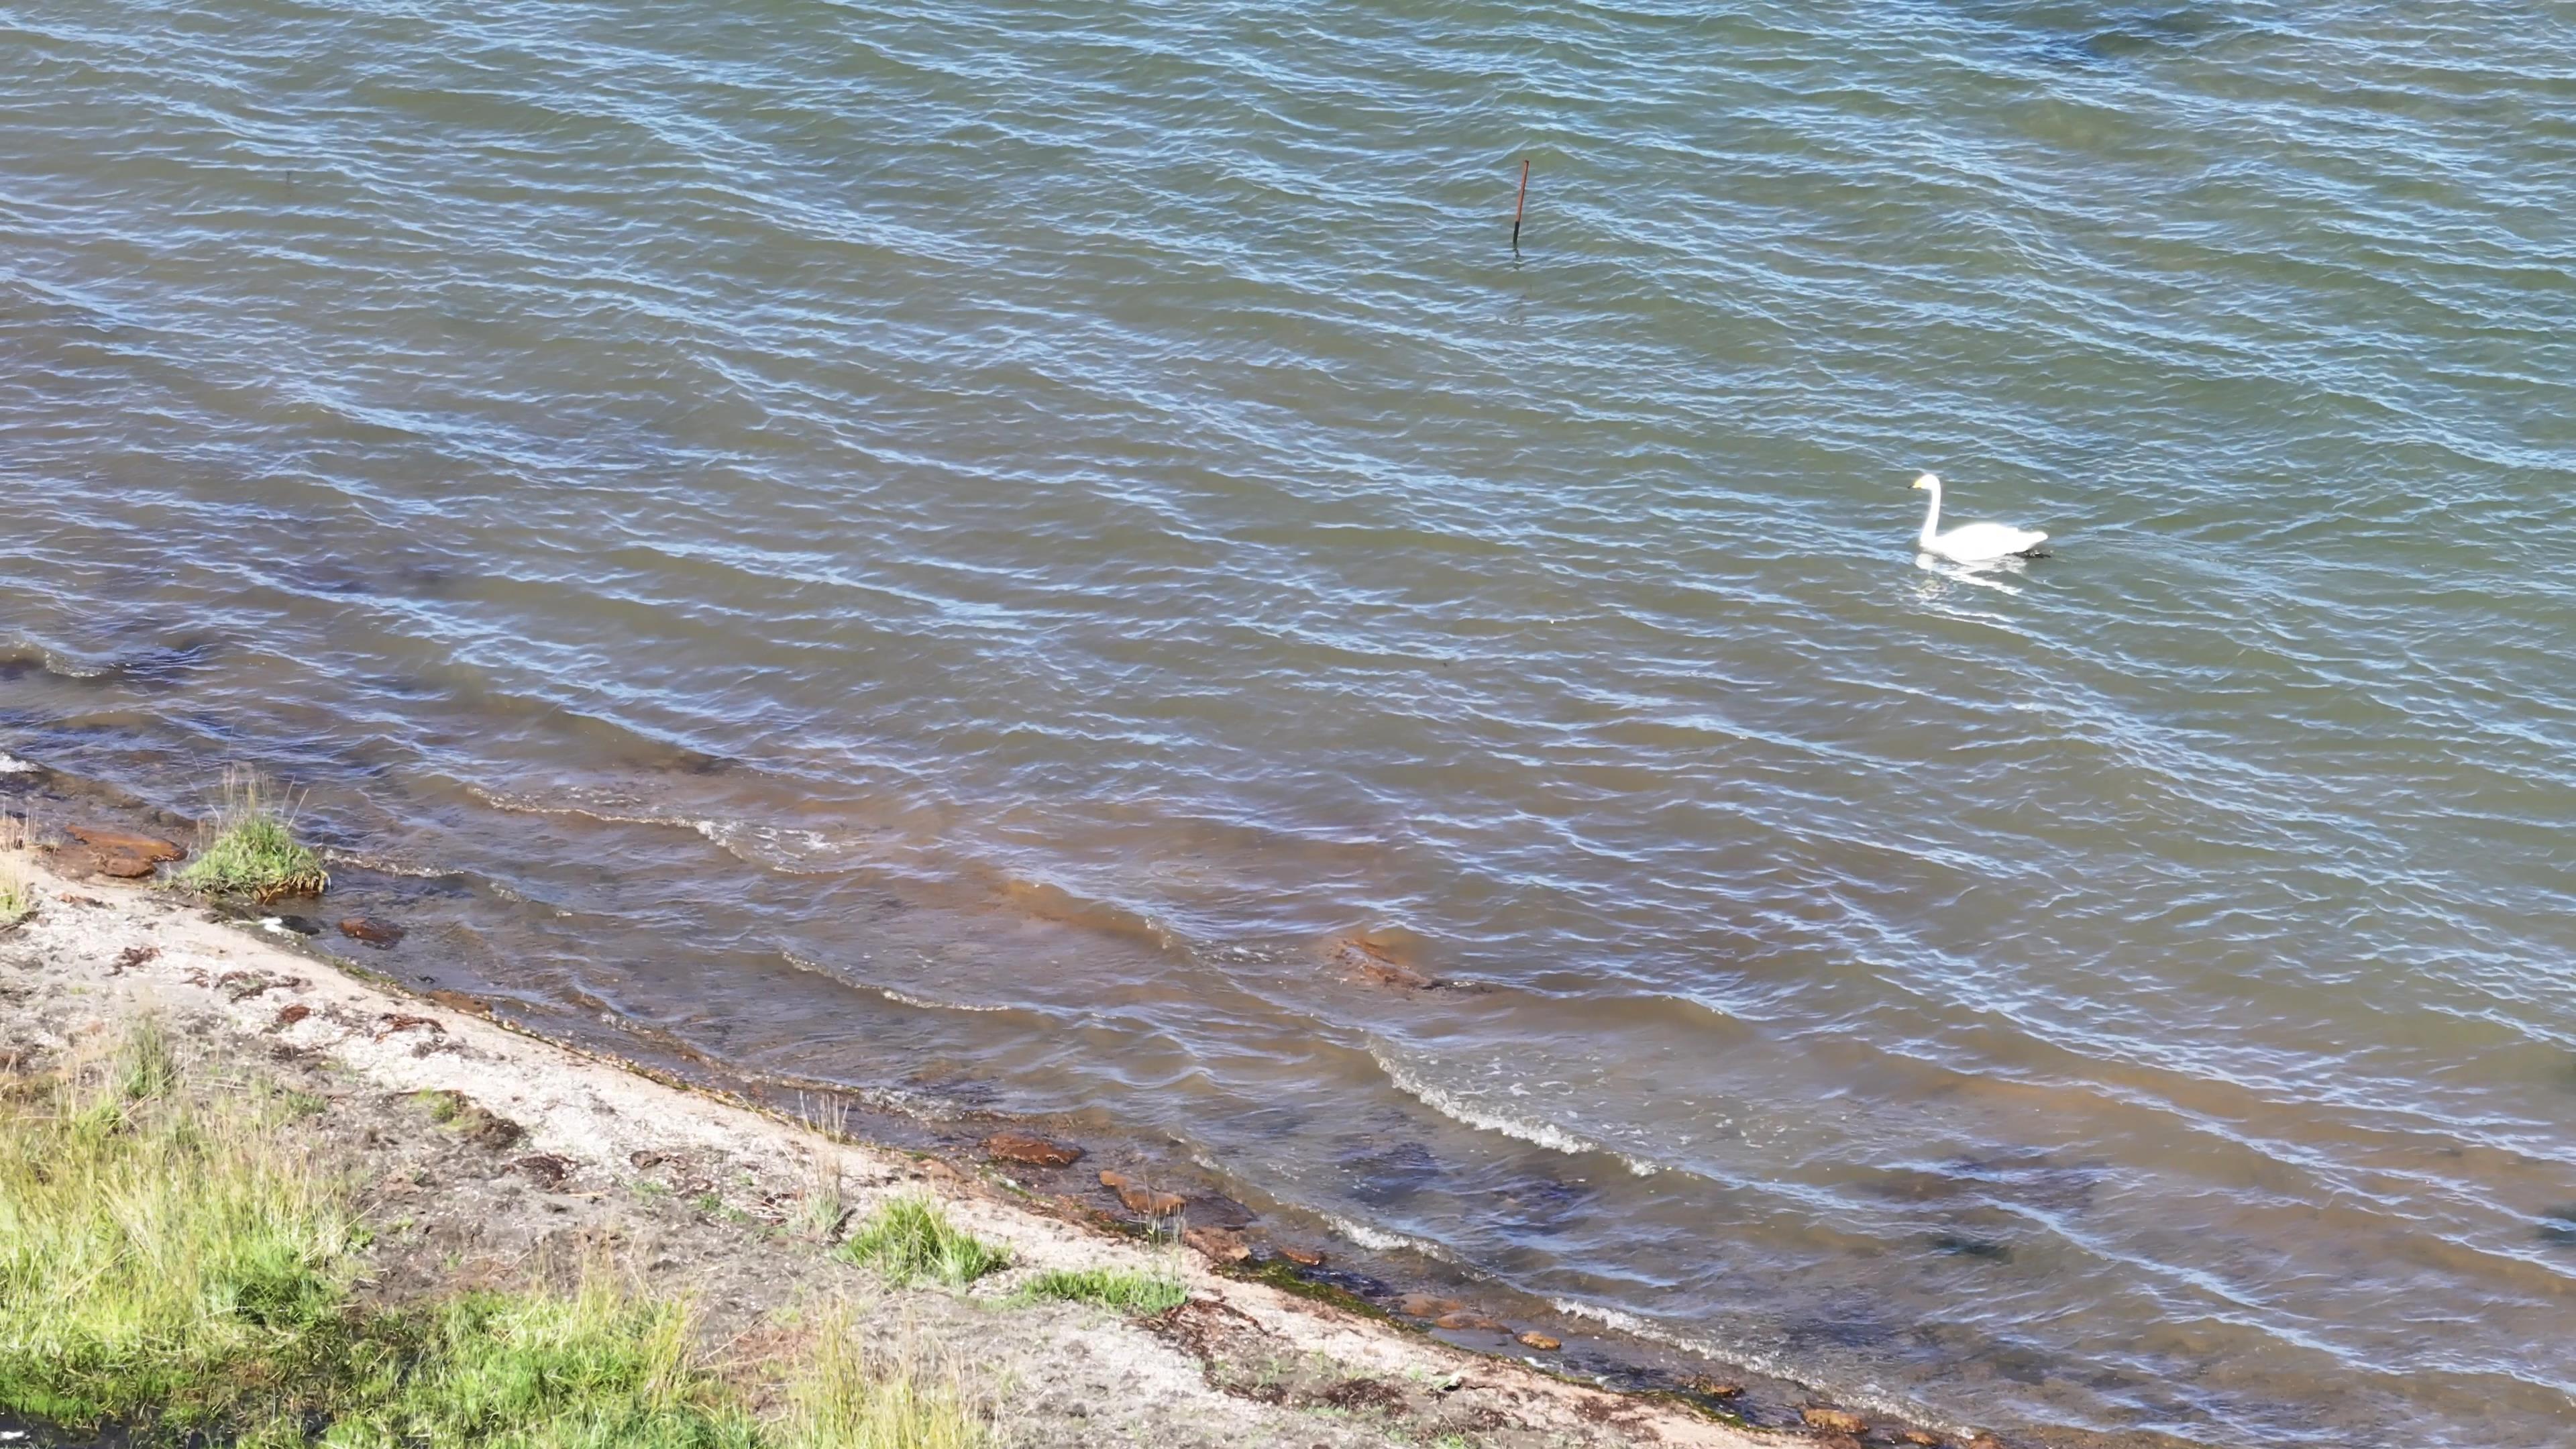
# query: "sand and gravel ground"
483, 1155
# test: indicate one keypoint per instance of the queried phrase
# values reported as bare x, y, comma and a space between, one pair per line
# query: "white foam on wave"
927, 1004
11, 765
903, 998
383, 865
1379, 1240
1861, 1396
789, 850
1485, 1119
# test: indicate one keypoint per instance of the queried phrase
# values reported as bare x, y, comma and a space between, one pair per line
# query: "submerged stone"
1030, 1149
1222, 1245
1835, 1421
374, 932
125, 842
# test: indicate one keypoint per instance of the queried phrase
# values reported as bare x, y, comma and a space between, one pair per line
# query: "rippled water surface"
968, 551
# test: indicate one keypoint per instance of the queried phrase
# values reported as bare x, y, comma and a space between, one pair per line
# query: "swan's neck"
1932, 516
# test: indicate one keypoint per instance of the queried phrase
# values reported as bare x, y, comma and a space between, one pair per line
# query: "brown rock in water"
1423, 1305
1835, 1421
1716, 1389
1302, 1257
1222, 1245
1376, 961
376, 933
124, 842
461, 1001
123, 865
1467, 1320
1540, 1341
1031, 1149
1139, 1198
1920, 1439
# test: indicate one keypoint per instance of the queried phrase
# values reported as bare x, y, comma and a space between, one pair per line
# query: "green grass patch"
176, 1269
17, 893
544, 1371
158, 1262
840, 1401
909, 1240
1121, 1290
252, 850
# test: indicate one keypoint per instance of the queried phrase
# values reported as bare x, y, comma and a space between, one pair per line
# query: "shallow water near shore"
972, 553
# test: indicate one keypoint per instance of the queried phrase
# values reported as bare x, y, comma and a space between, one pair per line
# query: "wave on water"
899, 997
790, 851
1862, 1396
11, 765
380, 864
927, 1004
1484, 1119
1379, 1240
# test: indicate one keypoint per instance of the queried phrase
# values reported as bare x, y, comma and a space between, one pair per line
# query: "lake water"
966, 551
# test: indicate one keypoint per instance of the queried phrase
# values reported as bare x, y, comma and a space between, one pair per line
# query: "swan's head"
1927, 481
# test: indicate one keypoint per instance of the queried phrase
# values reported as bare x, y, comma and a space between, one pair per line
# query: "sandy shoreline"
595, 1152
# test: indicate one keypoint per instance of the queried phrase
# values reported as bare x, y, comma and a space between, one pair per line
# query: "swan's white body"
1972, 542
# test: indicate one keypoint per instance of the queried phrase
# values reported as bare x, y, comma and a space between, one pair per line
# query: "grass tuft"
839, 1402
252, 850
174, 1270
144, 1067
549, 1371
909, 1239
157, 1262
17, 893
1121, 1290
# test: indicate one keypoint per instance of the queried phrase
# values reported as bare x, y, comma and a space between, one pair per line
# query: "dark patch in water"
2084, 36
168, 666
1860, 1327
1543, 1205
1965, 1247
2031, 1180
2559, 1227
1391, 1174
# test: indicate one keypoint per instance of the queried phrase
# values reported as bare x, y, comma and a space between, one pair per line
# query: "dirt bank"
485, 1155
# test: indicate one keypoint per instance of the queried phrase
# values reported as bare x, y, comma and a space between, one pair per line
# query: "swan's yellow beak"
1922, 483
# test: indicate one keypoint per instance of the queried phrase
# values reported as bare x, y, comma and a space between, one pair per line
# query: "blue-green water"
956, 549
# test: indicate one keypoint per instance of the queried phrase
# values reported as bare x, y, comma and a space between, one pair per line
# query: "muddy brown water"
1048, 563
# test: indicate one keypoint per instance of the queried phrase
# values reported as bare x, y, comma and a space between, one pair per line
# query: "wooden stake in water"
1519, 207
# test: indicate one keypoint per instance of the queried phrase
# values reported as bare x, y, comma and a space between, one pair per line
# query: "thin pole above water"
1519, 207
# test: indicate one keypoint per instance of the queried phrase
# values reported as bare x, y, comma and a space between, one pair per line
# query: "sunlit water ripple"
955, 550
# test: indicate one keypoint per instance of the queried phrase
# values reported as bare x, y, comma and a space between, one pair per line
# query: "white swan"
1972, 542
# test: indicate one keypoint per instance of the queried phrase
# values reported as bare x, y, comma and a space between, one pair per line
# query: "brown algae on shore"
251, 849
